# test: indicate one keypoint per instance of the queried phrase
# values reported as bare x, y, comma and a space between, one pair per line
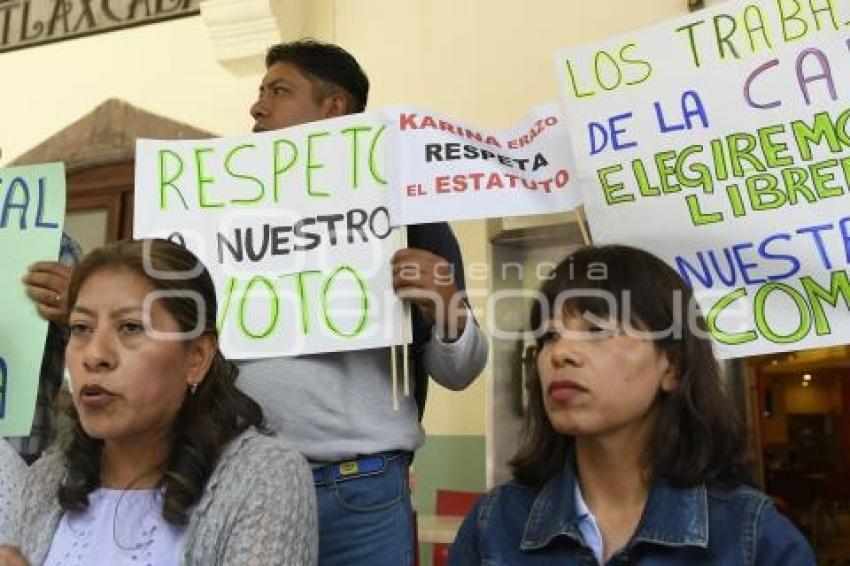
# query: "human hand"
11, 556
47, 285
428, 281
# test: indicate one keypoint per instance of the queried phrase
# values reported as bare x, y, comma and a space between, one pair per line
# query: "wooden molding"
241, 31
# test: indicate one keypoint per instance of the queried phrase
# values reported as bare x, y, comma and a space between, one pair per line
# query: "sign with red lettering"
441, 169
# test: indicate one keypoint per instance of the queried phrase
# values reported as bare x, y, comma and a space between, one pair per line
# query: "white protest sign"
293, 226
719, 142
442, 169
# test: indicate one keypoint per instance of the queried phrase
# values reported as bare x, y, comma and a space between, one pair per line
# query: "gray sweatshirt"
337, 406
258, 508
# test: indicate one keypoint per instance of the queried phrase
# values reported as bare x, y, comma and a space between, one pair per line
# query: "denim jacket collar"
672, 516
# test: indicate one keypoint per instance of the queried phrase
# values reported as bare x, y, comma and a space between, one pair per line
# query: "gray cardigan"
12, 473
258, 508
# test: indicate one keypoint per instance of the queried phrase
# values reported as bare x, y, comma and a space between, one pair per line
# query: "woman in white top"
167, 465
12, 471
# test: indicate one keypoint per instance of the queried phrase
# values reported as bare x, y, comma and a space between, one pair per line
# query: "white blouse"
12, 472
119, 528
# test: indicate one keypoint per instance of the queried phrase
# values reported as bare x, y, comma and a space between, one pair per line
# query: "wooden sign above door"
27, 23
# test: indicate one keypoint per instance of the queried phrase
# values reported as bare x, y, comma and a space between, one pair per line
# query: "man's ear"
202, 351
335, 104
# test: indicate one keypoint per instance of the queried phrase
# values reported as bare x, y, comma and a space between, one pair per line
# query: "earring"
193, 388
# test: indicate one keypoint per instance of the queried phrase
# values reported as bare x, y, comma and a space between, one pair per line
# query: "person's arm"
47, 285
778, 542
430, 274
12, 472
47, 282
276, 523
11, 556
429, 282
35, 517
455, 365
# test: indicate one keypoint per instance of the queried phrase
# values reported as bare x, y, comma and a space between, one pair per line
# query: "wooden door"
100, 204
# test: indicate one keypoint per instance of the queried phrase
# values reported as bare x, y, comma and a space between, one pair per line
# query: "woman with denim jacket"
633, 453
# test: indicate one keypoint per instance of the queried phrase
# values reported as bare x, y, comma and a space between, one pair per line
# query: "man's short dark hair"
328, 63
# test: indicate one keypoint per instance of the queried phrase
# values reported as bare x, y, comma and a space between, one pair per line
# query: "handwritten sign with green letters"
728, 128
294, 227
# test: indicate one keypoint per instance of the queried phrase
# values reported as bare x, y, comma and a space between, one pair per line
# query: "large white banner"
442, 169
719, 141
294, 227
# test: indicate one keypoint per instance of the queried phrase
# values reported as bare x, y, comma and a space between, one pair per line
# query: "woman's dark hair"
325, 63
698, 436
209, 418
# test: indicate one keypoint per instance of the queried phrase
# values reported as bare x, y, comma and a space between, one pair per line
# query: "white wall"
166, 68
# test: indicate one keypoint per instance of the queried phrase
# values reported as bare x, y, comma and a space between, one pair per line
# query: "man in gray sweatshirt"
337, 408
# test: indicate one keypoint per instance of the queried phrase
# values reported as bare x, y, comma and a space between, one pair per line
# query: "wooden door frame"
108, 187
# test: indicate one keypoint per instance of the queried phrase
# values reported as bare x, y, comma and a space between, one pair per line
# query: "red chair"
415, 539
451, 504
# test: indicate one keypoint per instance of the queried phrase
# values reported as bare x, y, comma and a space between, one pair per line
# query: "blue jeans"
366, 518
